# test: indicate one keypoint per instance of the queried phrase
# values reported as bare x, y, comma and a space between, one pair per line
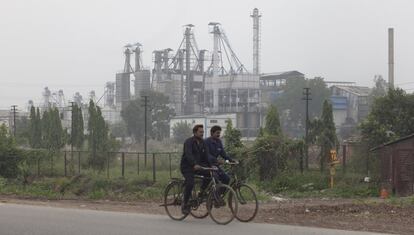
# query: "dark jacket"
194, 153
216, 149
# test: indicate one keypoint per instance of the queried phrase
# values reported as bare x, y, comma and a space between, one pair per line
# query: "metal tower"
256, 41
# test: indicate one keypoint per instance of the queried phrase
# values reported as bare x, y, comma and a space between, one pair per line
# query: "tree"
100, 142
391, 117
181, 131
232, 138
327, 138
133, 115
159, 115
33, 128
9, 154
119, 129
22, 131
52, 131
380, 89
38, 129
272, 122
77, 131
292, 107
271, 147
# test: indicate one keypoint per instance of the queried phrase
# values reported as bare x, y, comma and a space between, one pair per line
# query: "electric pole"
14, 111
71, 135
145, 105
306, 93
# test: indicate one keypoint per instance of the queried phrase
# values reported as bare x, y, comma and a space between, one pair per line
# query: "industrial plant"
203, 85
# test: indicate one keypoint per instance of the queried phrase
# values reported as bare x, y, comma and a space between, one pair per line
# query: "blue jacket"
216, 149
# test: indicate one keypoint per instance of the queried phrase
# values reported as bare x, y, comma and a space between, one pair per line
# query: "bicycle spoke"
173, 201
248, 204
222, 204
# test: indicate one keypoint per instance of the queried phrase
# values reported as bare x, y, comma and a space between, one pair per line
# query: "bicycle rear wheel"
248, 203
173, 199
222, 204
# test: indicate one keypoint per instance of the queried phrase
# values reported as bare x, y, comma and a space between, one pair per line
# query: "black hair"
196, 127
214, 129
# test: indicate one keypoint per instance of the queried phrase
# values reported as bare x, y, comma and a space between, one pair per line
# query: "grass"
314, 184
91, 186
137, 182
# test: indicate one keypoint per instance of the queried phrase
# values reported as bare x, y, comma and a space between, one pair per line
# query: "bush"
10, 156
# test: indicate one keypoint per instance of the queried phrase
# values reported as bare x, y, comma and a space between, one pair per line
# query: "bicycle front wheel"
222, 204
248, 203
173, 199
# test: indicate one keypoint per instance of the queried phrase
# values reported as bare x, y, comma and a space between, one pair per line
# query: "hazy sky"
76, 45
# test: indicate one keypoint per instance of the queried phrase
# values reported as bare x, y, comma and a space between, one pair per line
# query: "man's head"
215, 132
198, 131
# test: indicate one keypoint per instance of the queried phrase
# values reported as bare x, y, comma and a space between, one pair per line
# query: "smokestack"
391, 58
256, 40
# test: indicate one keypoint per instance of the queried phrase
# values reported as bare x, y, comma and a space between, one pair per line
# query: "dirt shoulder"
347, 214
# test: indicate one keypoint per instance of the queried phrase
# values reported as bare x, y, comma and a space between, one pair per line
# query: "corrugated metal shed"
397, 165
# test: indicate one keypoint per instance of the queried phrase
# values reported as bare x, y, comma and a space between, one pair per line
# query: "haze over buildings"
76, 45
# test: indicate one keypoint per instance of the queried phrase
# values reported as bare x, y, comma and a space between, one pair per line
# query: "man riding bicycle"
195, 156
216, 149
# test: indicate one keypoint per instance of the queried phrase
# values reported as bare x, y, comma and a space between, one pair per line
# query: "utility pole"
306, 93
145, 105
71, 135
14, 111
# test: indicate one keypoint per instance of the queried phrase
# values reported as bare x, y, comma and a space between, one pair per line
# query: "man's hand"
220, 161
197, 167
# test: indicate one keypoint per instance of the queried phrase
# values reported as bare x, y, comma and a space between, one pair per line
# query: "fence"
112, 164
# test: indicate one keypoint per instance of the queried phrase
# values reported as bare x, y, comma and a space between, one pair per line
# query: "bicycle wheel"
222, 204
198, 204
248, 203
173, 198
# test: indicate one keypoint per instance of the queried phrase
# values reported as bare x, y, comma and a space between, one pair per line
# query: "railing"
112, 164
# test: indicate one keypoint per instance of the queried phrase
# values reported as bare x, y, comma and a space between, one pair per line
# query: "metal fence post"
153, 167
137, 163
107, 165
38, 166
344, 158
169, 158
79, 162
51, 164
65, 163
123, 164
145, 160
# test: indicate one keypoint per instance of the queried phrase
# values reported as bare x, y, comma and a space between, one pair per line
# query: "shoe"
185, 209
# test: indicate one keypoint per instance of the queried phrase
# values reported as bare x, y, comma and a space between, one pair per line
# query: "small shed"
397, 165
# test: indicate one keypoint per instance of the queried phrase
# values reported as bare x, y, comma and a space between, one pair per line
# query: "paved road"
25, 220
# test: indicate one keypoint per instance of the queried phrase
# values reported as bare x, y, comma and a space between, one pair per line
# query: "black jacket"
194, 153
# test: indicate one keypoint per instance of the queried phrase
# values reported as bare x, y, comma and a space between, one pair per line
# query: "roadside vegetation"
275, 164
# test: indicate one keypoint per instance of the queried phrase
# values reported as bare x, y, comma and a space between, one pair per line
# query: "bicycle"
218, 199
246, 196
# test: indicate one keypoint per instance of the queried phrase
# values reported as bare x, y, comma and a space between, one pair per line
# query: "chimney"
391, 58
